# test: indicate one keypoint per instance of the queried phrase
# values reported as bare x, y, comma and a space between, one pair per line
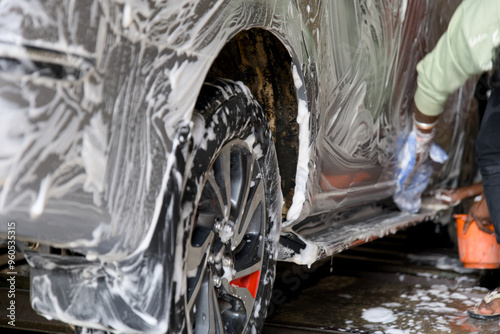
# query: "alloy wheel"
226, 246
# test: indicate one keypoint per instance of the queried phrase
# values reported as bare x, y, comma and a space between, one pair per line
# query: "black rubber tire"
227, 113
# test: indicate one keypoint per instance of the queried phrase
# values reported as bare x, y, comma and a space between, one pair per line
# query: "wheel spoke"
248, 271
245, 284
249, 212
207, 315
197, 253
241, 178
248, 279
244, 183
196, 267
216, 324
224, 179
219, 195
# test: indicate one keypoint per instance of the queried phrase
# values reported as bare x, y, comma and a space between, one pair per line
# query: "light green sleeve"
466, 49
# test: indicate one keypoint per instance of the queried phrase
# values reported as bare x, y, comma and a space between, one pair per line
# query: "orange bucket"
477, 249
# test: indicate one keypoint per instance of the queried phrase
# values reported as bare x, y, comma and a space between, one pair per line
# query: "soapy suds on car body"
139, 84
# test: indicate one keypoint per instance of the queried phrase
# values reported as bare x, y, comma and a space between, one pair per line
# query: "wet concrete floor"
395, 285
411, 282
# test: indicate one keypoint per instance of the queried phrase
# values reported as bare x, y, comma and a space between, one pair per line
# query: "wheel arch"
261, 61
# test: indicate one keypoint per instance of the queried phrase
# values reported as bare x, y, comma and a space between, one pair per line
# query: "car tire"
231, 215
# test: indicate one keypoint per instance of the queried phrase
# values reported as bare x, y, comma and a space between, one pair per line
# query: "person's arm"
466, 49
424, 123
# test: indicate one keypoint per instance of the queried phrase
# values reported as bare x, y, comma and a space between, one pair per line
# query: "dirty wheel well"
258, 59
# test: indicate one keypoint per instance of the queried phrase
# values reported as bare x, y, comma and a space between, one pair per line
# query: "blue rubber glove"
415, 169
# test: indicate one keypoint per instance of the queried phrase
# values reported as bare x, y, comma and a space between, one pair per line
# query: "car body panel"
96, 97
369, 86
98, 137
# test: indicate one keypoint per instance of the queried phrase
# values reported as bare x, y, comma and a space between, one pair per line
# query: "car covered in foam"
177, 149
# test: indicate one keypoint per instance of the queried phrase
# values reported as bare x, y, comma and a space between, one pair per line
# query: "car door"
366, 111
356, 142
